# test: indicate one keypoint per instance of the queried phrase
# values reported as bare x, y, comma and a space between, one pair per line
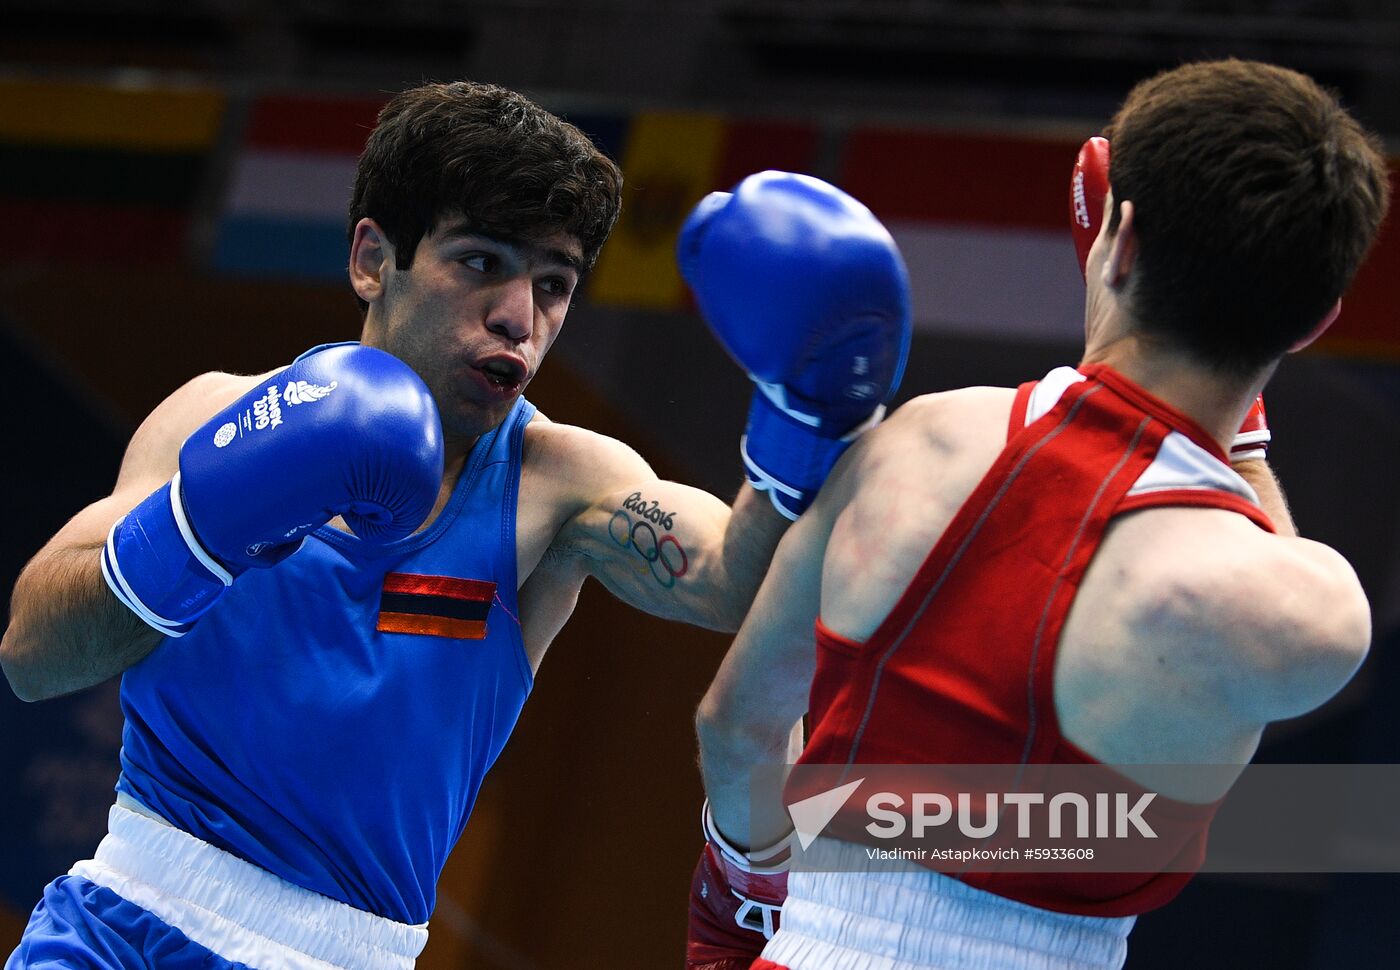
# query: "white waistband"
242, 912
920, 920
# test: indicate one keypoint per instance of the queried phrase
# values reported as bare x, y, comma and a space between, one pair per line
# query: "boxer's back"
1190, 630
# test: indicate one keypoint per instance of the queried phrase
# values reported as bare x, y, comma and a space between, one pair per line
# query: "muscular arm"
670, 549
1304, 625
67, 631
751, 714
1325, 632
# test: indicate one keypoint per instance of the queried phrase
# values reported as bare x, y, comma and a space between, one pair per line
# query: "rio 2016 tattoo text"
636, 526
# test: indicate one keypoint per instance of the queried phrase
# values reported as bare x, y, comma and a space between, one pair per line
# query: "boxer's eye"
481, 262
556, 286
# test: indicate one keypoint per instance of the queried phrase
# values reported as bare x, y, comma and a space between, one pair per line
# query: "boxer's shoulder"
956, 433
947, 416
1193, 628
565, 470
155, 446
1277, 623
203, 396
895, 493
573, 463
1301, 620
1219, 566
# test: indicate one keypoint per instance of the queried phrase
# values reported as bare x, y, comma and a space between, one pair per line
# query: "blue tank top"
331, 718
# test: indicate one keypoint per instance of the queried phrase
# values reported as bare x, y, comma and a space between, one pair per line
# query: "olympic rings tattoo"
664, 556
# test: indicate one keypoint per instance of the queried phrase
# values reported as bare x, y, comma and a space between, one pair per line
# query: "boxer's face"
474, 316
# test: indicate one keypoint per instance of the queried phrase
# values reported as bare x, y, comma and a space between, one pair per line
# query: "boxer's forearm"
67, 631
750, 537
728, 755
725, 762
752, 713
760, 691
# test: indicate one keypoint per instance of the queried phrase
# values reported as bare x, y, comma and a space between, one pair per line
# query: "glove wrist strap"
788, 455
153, 562
1249, 445
757, 878
769, 861
1252, 440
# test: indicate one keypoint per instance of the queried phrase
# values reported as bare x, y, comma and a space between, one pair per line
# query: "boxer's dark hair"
1256, 196
486, 153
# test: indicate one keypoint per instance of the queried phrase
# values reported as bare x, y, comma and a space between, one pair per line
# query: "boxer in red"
1071, 572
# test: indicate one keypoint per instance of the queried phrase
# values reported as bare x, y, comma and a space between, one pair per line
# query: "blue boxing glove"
807, 291
345, 430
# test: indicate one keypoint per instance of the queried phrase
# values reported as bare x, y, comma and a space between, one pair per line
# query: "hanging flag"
285, 209
982, 222
106, 174
670, 162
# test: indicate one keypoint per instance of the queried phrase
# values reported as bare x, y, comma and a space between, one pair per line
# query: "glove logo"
267, 410
301, 392
864, 391
225, 435
1081, 205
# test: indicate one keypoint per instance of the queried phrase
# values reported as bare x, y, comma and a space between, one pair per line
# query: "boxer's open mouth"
503, 371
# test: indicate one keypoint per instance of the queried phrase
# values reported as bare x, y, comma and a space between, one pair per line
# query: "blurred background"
173, 180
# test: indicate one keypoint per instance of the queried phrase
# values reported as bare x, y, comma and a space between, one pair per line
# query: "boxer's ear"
369, 255
1122, 251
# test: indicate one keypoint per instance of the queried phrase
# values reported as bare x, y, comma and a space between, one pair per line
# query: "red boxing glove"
1252, 440
735, 901
1088, 187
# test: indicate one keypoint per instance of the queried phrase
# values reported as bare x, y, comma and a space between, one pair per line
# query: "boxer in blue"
327, 588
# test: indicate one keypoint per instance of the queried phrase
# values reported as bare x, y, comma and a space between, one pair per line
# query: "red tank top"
962, 669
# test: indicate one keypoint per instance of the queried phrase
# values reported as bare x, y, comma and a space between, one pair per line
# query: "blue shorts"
154, 896
79, 924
